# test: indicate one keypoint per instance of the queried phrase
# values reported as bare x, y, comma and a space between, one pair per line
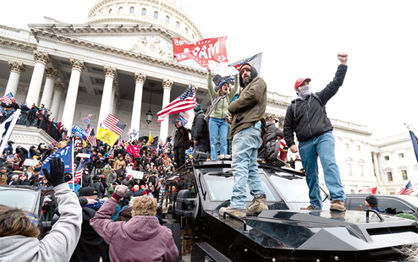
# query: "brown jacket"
250, 107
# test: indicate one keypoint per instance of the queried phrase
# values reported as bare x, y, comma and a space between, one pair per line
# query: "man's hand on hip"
294, 149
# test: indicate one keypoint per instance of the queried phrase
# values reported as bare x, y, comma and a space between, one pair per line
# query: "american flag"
114, 124
182, 103
91, 138
7, 99
407, 190
78, 174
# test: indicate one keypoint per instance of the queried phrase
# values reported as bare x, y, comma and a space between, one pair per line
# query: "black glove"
56, 177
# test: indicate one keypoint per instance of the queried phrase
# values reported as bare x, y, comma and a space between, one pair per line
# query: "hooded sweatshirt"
141, 238
58, 244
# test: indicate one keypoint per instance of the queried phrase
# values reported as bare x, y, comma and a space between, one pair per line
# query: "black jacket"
181, 138
308, 117
200, 129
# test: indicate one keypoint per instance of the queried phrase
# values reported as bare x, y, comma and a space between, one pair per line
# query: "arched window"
155, 15
110, 10
144, 12
193, 36
167, 19
131, 10
177, 24
187, 30
120, 10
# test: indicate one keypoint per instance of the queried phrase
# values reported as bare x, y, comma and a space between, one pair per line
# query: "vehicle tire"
176, 231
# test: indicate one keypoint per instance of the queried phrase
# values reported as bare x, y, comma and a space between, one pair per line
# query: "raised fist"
343, 58
121, 190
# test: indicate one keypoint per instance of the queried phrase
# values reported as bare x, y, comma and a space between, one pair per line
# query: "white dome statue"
163, 13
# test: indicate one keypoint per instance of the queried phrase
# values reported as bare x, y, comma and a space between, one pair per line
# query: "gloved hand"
121, 190
56, 174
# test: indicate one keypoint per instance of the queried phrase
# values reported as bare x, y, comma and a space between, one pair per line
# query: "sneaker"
258, 205
221, 157
238, 212
310, 207
228, 157
338, 205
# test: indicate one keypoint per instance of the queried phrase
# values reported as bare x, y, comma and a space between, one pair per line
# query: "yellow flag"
107, 136
84, 144
150, 139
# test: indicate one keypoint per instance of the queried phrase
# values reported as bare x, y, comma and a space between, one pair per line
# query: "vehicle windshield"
220, 188
294, 190
24, 199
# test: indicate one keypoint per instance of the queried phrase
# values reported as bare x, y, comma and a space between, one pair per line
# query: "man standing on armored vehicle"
246, 128
306, 116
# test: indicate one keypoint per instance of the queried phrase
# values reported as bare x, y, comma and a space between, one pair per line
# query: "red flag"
372, 190
201, 51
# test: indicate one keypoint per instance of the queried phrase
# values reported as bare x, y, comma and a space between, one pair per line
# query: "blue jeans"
324, 147
218, 127
244, 155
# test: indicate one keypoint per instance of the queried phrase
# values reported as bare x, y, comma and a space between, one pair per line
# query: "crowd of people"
38, 116
125, 182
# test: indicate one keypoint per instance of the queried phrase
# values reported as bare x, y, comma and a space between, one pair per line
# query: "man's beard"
246, 81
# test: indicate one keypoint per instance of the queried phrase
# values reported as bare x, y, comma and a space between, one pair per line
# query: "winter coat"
271, 142
200, 130
90, 244
221, 109
99, 188
58, 244
250, 106
308, 118
181, 139
141, 238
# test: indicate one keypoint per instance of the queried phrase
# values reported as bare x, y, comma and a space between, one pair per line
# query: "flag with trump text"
201, 51
182, 103
66, 155
407, 189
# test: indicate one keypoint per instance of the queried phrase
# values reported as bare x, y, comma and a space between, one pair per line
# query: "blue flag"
414, 143
66, 155
79, 132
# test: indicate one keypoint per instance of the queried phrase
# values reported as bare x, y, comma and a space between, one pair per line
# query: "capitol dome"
162, 13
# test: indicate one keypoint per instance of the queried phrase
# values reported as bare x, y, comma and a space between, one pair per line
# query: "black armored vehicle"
284, 232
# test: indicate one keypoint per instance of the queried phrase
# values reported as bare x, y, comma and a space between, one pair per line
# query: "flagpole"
72, 162
10, 130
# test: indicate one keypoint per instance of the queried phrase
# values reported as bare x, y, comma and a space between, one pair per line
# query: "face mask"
304, 92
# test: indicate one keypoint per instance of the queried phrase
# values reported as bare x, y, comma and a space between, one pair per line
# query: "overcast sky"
301, 39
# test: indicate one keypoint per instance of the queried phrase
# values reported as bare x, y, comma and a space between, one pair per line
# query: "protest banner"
79, 132
201, 51
30, 162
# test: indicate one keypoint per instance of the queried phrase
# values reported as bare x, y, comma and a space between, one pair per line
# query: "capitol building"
120, 61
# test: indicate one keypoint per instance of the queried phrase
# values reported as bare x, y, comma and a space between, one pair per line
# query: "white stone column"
51, 74
113, 99
56, 100
136, 109
41, 60
71, 99
107, 94
167, 84
16, 69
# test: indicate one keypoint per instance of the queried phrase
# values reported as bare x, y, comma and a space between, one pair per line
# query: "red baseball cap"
300, 81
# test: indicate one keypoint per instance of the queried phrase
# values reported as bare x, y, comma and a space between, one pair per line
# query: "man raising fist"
306, 116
